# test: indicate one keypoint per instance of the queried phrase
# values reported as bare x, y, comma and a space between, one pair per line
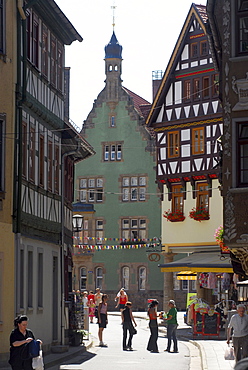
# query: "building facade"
228, 21
119, 183
186, 117
37, 182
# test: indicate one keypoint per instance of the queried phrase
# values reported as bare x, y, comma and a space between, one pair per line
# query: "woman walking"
153, 325
127, 325
122, 300
102, 318
172, 327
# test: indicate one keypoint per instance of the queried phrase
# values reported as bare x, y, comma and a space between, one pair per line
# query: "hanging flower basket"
199, 214
176, 216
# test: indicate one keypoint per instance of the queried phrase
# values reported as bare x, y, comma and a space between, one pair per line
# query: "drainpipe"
66, 154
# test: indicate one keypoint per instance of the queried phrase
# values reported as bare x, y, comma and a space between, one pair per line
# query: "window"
186, 90
185, 284
112, 152
112, 121
50, 165
32, 154
2, 26
44, 61
24, 150
243, 154
91, 190
242, 26
30, 280
40, 280
202, 196
21, 279
41, 160
99, 277
2, 152
205, 91
194, 50
53, 61
84, 233
60, 67
83, 278
173, 144
125, 277
177, 198
198, 140
176, 282
133, 188
142, 278
203, 48
193, 285
196, 89
99, 231
56, 169
215, 85
35, 41
133, 228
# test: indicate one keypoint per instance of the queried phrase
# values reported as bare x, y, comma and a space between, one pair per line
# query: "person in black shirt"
127, 319
19, 338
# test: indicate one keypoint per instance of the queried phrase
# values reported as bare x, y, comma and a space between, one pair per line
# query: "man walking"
239, 324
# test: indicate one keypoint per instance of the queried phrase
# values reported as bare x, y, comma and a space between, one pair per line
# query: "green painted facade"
137, 160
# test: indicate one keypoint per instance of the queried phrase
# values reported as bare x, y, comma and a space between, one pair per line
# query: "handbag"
229, 353
34, 348
37, 362
133, 330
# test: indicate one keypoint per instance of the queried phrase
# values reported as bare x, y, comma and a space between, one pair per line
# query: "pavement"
205, 353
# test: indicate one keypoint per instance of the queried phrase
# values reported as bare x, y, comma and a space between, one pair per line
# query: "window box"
199, 214
176, 216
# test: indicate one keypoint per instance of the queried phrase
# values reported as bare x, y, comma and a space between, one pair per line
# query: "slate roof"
202, 12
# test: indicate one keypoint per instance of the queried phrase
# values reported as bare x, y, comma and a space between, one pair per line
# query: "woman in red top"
153, 325
122, 300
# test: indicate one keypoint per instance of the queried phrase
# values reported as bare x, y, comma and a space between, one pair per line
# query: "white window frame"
125, 277
142, 277
83, 278
99, 277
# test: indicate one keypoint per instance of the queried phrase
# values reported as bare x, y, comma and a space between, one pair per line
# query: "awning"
187, 275
200, 262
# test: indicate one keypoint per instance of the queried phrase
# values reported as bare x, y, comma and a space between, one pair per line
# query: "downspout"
21, 24
63, 241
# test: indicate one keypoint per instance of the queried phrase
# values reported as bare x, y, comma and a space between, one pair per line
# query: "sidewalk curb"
204, 365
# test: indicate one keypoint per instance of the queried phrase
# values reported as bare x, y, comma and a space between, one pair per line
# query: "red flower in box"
174, 216
199, 213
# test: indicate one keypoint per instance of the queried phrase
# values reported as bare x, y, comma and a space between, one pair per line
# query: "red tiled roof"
202, 12
141, 105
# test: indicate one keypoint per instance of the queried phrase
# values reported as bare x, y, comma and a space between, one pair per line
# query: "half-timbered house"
228, 35
46, 148
186, 116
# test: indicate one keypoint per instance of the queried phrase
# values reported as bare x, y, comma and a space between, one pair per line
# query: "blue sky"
147, 31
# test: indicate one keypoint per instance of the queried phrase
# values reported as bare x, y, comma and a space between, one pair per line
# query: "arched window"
142, 278
99, 277
83, 278
116, 68
110, 68
125, 277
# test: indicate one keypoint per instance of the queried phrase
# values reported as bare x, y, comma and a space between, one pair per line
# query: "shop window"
142, 278
198, 140
173, 144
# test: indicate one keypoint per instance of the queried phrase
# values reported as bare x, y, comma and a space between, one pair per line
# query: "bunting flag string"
109, 247
87, 238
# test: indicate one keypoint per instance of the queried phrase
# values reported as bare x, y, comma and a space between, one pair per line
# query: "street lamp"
77, 221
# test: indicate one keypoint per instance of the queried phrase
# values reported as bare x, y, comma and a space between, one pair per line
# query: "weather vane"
113, 7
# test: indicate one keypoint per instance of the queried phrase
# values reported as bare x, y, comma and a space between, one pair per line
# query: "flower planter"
176, 216
201, 217
176, 219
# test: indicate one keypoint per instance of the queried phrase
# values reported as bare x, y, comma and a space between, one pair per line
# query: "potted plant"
219, 237
175, 216
76, 336
199, 213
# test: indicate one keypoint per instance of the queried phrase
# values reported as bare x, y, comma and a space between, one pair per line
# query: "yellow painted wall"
191, 232
7, 246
